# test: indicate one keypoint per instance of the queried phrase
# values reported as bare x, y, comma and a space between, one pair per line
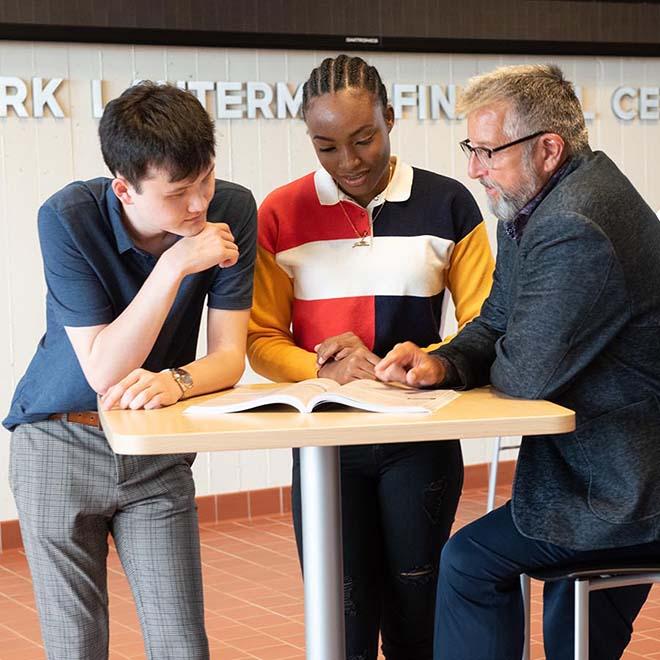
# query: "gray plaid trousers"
71, 491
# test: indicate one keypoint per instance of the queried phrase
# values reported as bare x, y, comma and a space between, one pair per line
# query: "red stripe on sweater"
305, 219
316, 320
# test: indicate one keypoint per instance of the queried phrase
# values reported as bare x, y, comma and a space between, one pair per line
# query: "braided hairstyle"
343, 72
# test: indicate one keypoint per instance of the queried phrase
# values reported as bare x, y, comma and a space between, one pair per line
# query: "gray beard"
510, 203
506, 208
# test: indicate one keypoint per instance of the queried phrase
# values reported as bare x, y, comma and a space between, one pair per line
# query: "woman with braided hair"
352, 259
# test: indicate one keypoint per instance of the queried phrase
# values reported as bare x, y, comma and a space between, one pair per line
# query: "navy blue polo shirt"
94, 270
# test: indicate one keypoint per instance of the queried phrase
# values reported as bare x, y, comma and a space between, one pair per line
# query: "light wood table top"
478, 413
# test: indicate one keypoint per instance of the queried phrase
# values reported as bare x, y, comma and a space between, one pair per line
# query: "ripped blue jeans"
398, 506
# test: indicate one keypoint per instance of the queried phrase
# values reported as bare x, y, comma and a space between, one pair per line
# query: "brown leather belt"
88, 418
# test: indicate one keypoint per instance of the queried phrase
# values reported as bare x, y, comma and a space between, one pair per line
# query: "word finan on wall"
37, 98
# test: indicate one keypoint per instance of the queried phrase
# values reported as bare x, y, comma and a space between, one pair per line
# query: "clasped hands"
344, 358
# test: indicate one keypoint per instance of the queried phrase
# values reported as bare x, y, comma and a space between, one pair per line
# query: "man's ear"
123, 189
552, 151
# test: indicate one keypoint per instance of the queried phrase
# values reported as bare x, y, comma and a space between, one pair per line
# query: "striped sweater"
311, 282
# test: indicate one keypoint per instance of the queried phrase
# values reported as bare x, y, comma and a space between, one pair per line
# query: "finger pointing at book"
407, 363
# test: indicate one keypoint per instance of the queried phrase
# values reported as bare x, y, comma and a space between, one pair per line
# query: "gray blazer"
574, 317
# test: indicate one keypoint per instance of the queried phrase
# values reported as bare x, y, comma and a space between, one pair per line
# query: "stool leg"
492, 476
526, 591
582, 619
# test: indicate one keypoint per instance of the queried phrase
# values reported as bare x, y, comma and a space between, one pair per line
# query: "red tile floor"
253, 594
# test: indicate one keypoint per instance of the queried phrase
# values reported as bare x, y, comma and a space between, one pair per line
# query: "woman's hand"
344, 358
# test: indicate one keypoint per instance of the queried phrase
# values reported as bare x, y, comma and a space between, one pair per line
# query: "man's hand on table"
142, 389
408, 364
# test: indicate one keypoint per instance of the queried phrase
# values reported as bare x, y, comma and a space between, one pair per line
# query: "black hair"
156, 126
342, 72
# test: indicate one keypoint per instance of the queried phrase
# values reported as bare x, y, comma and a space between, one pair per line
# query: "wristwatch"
183, 379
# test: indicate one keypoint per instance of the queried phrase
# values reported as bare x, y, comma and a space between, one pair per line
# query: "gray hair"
541, 99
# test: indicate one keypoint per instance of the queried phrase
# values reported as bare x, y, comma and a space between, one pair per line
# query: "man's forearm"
125, 344
471, 354
216, 371
451, 379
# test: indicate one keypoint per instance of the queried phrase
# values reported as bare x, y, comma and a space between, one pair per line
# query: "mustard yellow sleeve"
469, 277
271, 349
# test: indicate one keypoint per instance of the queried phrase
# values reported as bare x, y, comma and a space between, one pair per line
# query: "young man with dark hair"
128, 263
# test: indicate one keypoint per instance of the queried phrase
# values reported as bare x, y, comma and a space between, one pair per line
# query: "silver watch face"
183, 377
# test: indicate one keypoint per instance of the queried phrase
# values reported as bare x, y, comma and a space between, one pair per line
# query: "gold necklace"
362, 236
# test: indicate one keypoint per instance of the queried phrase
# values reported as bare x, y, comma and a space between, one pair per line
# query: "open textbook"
369, 395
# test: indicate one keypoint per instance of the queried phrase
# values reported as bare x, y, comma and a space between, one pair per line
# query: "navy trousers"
479, 611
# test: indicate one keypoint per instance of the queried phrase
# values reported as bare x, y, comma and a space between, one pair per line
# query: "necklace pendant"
361, 243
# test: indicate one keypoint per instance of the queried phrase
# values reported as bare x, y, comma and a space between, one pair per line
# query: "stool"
588, 578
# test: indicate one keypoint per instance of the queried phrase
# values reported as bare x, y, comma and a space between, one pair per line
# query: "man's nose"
197, 203
476, 169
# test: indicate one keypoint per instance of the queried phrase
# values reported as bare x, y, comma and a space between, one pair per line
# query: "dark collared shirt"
514, 228
94, 270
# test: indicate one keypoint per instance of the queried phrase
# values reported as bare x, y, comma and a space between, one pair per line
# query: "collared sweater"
312, 282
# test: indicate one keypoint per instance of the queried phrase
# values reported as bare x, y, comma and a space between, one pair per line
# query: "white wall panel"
253, 466
7, 509
37, 156
25, 274
148, 63
409, 134
85, 65
301, 156
606, 131
225, 468
462, 68
273, 141
279, 467
651, 133
245, 146
442, 153
117, 66
633, 133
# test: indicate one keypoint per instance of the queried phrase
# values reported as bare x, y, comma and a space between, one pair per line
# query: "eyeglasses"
485, 155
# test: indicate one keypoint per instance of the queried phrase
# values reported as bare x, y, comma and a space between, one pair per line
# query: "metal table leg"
322, 553
581, 621
526, 592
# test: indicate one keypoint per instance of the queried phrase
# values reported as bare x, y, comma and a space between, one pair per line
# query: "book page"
377, 396
297, 395
306, 390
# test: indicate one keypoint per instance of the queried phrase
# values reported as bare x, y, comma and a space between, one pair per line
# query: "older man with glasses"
573, 317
